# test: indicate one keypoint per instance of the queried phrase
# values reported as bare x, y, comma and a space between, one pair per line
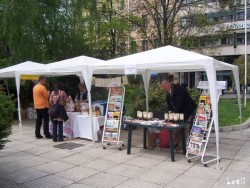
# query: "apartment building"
231, 45
228, 47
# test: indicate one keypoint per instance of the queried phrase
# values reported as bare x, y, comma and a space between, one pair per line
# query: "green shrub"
195, 94
7, 108
135, 99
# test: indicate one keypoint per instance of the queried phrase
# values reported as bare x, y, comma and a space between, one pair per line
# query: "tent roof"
72, 64
9, 72
163, 59
65, 67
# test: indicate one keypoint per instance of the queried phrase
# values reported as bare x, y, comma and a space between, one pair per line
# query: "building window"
144, 21
157, 43
133, 47
240, 16
122, 4
122, 48
240, 38
133, 26
144, 45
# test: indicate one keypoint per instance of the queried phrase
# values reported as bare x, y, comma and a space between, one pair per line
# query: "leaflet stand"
202, 125
113, 118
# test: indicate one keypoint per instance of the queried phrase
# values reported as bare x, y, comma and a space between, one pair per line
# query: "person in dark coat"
58, 95
178, 101
82, 94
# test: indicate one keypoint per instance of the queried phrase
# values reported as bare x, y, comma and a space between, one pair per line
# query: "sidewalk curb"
244, 125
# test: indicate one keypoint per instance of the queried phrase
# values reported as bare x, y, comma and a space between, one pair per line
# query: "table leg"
129, 139
145, 138
183, 141
171, 141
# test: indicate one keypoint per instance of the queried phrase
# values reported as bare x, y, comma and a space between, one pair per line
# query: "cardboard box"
151, 138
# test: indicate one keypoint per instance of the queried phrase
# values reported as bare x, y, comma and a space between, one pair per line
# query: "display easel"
202, 126
113, 117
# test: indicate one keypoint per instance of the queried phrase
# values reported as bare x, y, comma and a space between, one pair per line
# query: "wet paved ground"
29, 162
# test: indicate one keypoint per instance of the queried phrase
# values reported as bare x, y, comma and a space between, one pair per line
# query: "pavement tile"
247, 144
56, 154
100, 164
5, 183
77, 159
230, 147
16, 157
104, 180
225, 153
243, 166
153, 154
201, 172
39, 150
143, 162
77, 185
98, 152
233, 179
8, 151
126, 170
223, 164
24, 175
26, 146
176, 167
51, 181
77, 173
185, 181
242, 158
221, 134
134, 183
232, 141
29, 162
238, 136
53, 167
157, 176
7, 168
32, 162
120, 157
14, 144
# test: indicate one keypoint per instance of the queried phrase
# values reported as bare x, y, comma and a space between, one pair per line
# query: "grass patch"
229, 112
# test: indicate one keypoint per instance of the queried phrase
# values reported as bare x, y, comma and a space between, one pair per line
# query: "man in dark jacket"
178, 101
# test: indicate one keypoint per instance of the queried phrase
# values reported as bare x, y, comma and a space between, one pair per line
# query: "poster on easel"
200, 126
112, 126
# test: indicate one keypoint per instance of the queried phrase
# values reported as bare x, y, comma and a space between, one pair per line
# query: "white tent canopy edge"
10, 72
172, 59
73, 66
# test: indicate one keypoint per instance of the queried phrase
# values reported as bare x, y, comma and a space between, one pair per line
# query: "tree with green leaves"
42, 30
177, 23
7, 108
240, 62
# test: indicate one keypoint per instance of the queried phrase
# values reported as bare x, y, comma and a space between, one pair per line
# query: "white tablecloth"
82, 126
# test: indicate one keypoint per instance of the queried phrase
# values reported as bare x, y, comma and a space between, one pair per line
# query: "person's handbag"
62, 113
54, 108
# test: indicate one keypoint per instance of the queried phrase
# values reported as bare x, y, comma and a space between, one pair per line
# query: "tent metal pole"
245, 97
7, 86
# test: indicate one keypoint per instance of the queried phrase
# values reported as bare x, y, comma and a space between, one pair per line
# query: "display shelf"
113, 118
200, 132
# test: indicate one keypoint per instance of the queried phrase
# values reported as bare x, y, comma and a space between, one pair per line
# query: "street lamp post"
245, 97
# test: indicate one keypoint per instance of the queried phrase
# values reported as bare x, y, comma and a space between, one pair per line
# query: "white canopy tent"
73, 66
10, 72
170, 59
